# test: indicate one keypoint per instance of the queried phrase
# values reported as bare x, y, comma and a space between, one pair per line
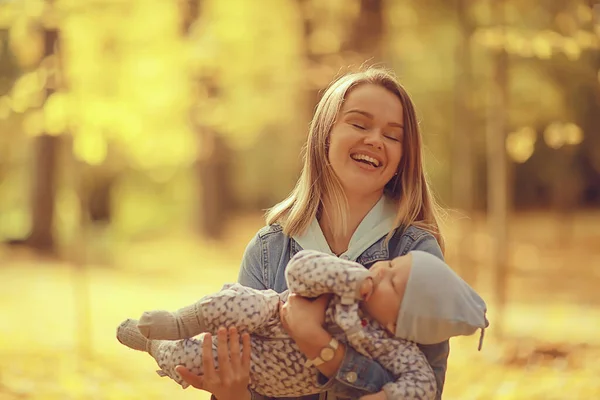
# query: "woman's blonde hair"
410, 187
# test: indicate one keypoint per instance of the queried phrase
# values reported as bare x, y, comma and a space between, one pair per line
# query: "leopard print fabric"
277, 365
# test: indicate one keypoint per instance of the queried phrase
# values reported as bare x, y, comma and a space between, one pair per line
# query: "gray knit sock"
129, 335
182, 324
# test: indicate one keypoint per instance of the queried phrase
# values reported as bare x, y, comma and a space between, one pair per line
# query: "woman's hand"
230, 381
304, 320
301, 317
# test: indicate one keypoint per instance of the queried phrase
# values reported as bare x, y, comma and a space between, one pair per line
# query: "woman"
363, 196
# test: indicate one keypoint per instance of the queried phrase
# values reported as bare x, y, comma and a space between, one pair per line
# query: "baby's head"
420, 298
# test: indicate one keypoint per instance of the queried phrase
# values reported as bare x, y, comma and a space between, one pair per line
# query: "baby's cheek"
383, 305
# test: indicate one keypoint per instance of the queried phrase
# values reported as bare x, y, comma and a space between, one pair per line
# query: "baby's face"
384, 289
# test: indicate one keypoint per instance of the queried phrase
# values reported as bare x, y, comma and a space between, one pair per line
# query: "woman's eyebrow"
370, 116
357, 111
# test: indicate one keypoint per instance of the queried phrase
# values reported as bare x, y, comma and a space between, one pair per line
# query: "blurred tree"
462, 143
552, 66
339, 35
252, 102
9, 69
463, 146
214, 179
45, 171
497, 167
313, 59
364, 42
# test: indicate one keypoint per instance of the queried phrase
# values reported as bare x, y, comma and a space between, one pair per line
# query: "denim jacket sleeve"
251, 271
357, 376
436, 354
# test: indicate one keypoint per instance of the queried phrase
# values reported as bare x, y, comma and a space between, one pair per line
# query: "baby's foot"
129, 335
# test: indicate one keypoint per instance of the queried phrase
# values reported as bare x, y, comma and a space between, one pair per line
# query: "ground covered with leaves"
57, 331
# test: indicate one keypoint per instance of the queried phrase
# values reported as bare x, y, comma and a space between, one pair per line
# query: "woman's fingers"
233, 375
234, 350
282, 315
208, 364
223, 356
192, 379
246, 351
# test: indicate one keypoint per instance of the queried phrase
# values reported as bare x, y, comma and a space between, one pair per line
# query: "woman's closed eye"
393, 136
357, 125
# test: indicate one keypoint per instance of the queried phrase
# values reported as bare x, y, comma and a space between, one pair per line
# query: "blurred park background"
141, 142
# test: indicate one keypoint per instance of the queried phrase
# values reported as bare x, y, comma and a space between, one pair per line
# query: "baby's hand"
366, 288
375, 396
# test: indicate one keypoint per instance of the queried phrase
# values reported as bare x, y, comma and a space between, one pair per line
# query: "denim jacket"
263, 266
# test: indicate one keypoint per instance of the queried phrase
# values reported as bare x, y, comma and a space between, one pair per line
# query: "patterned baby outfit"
277, 365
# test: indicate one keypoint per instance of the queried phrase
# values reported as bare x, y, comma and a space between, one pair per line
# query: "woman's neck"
358, 208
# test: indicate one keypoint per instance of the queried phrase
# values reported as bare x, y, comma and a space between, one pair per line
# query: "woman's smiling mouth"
366, 160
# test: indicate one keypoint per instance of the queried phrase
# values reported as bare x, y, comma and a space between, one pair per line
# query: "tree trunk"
213, 176
312, 60
363, 44
497, 174
366, 37
462, 144
44, 178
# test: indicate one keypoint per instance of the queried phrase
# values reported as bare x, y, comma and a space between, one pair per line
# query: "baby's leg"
168, 354
235, 305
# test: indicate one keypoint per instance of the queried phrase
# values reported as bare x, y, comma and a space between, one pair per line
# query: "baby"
382, 313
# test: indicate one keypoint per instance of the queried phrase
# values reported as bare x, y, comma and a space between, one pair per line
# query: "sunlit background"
141, 141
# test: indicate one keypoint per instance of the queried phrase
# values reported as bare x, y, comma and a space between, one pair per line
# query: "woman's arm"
349, 374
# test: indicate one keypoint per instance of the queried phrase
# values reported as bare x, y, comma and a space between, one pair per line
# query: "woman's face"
384, 291
365, 143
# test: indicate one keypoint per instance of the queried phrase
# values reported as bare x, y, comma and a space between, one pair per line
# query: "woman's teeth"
364, 158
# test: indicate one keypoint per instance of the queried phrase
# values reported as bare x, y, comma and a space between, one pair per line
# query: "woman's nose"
374, 138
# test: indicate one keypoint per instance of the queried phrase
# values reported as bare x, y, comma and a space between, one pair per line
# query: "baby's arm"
416, 380
311, 274
235, 305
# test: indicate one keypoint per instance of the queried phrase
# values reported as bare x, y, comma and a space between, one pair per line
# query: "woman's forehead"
374, 100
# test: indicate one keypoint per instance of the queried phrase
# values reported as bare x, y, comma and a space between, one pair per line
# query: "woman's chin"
360, 184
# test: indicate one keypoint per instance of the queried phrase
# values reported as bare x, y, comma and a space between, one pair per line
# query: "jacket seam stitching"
269, 230
263, 261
